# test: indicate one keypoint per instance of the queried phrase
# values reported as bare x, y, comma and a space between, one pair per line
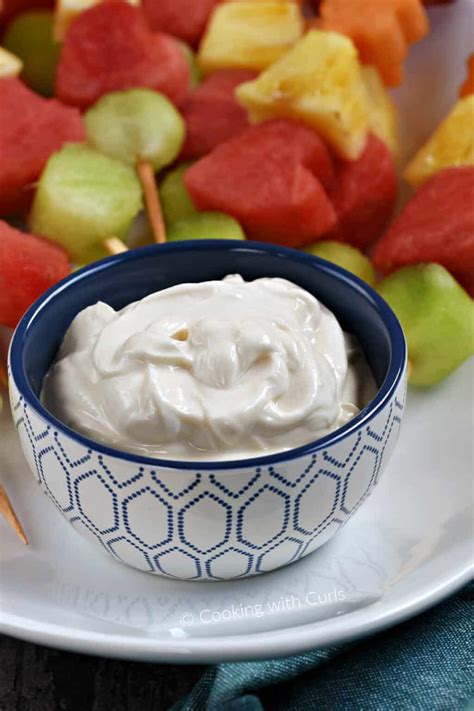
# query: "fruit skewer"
7, 510
139, 127
115, 32
114, 245
146, 175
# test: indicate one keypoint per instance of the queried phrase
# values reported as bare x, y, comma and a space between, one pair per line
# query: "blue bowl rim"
384, 394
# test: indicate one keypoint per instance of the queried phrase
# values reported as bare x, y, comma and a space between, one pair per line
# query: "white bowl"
208, 520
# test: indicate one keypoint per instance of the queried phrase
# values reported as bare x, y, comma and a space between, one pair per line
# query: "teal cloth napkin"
425, 664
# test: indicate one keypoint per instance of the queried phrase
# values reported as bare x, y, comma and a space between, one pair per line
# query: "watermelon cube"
212, 114
31, 128
437, 225
28, 266
365, 194
272, 178
185, 19
109, 47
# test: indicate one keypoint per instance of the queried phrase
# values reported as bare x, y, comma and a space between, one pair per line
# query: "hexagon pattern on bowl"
208, 525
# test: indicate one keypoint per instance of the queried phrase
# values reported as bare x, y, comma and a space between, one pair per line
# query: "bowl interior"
120, 280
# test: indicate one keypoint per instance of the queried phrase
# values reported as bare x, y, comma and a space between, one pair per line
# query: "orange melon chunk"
381, 31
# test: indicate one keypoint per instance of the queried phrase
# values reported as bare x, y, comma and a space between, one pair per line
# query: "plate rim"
288, 640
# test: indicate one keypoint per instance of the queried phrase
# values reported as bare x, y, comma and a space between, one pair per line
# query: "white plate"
406, 549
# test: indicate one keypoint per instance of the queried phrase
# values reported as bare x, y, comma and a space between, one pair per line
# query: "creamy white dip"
211, 371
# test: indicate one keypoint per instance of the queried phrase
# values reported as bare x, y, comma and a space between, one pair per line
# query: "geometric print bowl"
214, 520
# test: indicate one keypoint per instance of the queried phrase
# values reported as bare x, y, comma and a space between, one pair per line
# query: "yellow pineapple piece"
318, 81
249, 35
67, 10
10, 64
452, 144
383, 114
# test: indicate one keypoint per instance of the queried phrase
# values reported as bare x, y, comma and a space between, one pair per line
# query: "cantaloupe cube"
451, 145
382, 30
249, 35
319, 81
468, 84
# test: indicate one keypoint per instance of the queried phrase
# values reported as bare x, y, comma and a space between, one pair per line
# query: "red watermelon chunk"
269, 177
437, 225
212, 114
183, 18
31, 128
365, 195
28, 266
109, 48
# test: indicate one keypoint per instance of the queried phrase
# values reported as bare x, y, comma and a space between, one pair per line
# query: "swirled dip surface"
217, 370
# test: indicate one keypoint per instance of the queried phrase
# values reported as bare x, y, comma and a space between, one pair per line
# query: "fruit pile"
124, 121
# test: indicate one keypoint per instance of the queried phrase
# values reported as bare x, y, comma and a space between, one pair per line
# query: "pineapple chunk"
67, 10
249, 35
383, 114
10, 64
319, 81
452, 144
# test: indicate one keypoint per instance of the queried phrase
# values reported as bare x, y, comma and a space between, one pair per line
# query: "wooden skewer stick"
114, 245
152, 200
6, 507
7, 510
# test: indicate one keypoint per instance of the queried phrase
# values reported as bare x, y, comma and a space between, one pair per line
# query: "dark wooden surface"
34, 678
